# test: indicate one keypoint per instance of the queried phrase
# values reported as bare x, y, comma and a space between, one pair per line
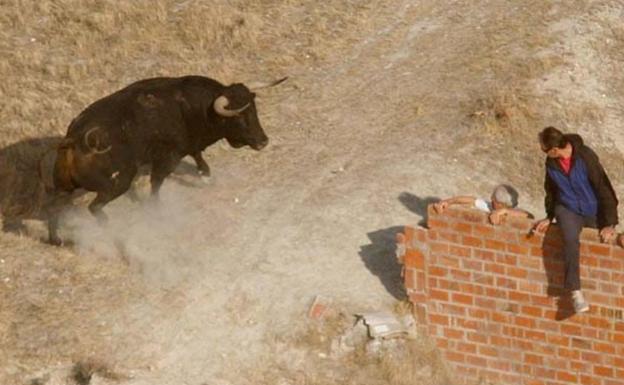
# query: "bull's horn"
255, 86
219, 106
95, 149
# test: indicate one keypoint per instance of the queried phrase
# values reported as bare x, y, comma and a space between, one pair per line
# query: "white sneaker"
580, 305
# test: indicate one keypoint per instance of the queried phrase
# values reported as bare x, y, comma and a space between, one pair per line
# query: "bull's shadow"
380, 258
22, 185
24, 175
417, 205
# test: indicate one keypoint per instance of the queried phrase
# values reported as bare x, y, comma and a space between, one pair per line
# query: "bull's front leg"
202, 167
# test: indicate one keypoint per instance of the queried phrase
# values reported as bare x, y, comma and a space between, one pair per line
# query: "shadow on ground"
380, 258
417, 205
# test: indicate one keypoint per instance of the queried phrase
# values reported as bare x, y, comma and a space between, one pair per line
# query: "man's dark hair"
550, 137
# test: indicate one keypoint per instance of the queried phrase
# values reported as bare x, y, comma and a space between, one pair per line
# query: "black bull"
153, 122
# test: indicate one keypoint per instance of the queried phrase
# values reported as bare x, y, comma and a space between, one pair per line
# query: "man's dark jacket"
606, 214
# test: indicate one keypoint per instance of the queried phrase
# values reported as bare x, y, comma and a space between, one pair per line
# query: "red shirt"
565, 164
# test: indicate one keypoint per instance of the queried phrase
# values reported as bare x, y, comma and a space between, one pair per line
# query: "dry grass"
308, 358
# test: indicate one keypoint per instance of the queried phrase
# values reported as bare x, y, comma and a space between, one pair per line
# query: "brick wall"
490, 297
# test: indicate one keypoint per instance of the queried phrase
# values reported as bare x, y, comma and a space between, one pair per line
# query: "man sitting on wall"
578, 194
502, 204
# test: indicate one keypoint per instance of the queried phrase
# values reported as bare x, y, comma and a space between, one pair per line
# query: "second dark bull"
153, 122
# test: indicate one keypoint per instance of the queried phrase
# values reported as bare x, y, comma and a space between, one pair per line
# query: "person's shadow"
555, 272
417, 205
380, 258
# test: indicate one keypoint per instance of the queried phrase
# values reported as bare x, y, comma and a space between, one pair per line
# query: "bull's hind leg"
202, 167
115, 186
161, 168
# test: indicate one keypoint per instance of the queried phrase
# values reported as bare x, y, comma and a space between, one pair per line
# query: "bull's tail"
64, 166
93, 142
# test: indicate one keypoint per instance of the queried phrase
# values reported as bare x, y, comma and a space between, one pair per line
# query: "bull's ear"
220, 105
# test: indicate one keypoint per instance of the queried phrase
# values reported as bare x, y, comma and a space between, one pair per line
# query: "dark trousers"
571, 225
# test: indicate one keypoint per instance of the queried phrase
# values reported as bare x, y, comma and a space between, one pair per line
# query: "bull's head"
237, 107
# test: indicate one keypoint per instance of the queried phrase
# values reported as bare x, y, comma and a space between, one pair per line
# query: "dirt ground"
387, 108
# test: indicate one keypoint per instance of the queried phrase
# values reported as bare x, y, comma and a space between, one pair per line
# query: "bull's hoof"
55, 241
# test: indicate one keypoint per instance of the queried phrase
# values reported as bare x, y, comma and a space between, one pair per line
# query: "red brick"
501, 317
592, 357
465, 347
610, 264
599, 323
568, 353
414, 258
447, 236
535, 335
461, 275
409, 279
438, 248
466, 324
439, 319
536, 251
453, 333
517, 249
462, 298
566, 376
448, 261
589, 380
604, 347
485, 255
471, 241
525, 322
507, 259
506, 283
500, 341
483, 279
494, 268
435, 223
530, 263
581, 343
533, 359
588, 260
516, 272
460, 251
532, 311
448, 285
618, 337
438, 295
558, 340
571, 330
604, 371
550, 326
547, 373
471, 264
418, 298
462, 227
530, 287
455, 356
494, 245
599, 250
476, 337
438, 271
476, 361
486, 350
483, 230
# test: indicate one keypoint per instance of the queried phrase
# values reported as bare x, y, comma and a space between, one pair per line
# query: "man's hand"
541, 226
439, 207
497, 216
606, 234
